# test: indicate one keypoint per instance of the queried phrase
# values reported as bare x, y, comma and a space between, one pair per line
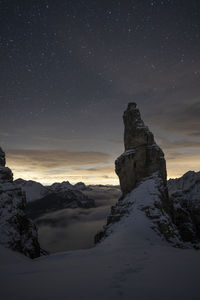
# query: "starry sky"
68, 70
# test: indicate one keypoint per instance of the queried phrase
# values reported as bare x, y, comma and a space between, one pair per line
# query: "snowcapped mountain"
33, 189
189, 182
185, 196
186, 190
42, 199
59, 196
63, 186
67, 186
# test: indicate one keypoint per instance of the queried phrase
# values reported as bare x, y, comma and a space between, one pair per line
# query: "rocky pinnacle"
143, 164
142, 156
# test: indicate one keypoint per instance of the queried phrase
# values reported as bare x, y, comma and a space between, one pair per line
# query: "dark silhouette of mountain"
17, 231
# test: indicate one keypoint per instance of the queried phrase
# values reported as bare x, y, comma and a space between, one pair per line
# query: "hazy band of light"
91, 168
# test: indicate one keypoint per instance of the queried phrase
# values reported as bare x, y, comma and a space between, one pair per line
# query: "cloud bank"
48, 166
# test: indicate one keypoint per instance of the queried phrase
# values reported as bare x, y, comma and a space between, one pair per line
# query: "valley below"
74, 228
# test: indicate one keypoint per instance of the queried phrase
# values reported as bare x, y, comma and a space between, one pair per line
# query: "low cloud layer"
70, 229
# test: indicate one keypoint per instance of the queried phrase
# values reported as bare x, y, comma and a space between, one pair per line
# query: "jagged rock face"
142, 173
142, 156
142, 161
2, 158
135, 132
16, 230
185, 195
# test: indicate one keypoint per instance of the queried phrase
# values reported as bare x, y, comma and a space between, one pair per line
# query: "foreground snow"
134, 272
133, 262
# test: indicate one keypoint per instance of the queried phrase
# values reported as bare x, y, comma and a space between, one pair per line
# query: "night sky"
68, 70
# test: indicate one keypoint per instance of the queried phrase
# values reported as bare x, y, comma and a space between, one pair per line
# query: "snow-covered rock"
185, 195
184, 183
142, 173
33, 189
145, 207
17, 232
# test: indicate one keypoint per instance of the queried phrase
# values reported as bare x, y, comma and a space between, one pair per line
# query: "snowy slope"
153, 273
189, 197
9, 257
184, 183
133, 262
186, 189
141, 215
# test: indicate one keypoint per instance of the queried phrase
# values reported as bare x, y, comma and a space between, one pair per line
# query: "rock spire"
142, 156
